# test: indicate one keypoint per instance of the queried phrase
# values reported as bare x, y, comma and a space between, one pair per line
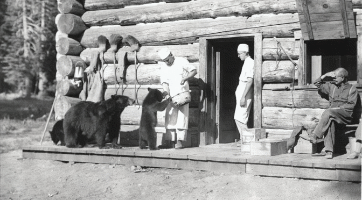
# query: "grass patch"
15, 134
21, 108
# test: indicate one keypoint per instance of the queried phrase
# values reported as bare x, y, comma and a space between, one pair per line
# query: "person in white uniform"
244, 91
175, 74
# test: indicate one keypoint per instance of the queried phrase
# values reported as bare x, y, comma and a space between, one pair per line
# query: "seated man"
342, 100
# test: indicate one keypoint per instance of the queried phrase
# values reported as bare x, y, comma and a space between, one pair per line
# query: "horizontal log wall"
288, 109
131, 116
147, 74
186, 11
188, 31
139, 92
114, 4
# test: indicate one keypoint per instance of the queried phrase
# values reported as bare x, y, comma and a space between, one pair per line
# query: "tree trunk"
42, 79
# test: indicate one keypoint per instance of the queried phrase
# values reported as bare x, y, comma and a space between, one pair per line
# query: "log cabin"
291, 41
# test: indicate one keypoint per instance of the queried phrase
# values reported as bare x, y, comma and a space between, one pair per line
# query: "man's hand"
330, 74
242, 102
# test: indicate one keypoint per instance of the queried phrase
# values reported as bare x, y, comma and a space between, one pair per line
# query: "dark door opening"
227, 68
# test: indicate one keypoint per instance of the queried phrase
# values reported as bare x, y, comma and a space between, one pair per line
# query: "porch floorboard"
217, 157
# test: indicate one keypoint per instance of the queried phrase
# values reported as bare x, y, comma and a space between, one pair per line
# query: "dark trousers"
327, 126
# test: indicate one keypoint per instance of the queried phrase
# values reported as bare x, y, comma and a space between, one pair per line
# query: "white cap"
164, 53
243, 47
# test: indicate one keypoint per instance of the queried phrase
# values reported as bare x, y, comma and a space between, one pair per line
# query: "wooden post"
359, 49
344, 18
307, 19
359, 59
258, 61
301, 63
202, 86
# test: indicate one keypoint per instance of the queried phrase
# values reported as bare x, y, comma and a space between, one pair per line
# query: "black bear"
151, 104
87, 120
57, 133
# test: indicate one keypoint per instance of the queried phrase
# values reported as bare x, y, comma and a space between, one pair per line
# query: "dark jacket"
344, 96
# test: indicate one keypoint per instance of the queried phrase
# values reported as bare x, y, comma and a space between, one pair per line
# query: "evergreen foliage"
27, 44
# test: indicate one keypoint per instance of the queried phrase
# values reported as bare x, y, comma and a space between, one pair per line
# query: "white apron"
242, 113
176, 117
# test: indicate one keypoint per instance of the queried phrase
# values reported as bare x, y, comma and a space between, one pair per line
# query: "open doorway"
226, 66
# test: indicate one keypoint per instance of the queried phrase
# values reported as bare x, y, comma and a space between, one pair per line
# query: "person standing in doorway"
244, 91
176, 72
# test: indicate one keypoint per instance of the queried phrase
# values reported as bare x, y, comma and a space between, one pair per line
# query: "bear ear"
149, 89
113, 96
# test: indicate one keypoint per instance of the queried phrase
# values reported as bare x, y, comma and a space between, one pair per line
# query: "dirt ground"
44, 179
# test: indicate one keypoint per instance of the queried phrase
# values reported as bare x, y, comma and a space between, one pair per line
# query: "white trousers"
176, 134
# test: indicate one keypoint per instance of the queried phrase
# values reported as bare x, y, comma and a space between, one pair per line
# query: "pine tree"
32, 45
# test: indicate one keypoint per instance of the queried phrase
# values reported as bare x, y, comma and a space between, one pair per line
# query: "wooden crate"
268, 147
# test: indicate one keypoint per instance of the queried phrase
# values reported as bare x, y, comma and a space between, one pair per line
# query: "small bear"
151, 104
57, 133
87, 120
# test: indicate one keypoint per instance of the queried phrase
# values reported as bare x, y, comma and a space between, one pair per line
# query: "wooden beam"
301, 63
258, 81
202, 85
186, 11
288, 118
142, 91
359, 58
147, 74
344, 18
278, 71
71, 24
307, 19
114, 4
148, 54
68, 46
294, 99
189, 31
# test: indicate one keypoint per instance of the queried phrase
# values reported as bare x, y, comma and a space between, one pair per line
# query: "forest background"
27, 47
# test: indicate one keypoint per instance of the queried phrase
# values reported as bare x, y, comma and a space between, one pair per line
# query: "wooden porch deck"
217, 157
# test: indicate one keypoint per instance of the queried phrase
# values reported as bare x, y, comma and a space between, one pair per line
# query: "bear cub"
151, 104
87, 121
57, 133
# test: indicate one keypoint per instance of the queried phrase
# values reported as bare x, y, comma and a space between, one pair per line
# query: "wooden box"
304, 146
268, 147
